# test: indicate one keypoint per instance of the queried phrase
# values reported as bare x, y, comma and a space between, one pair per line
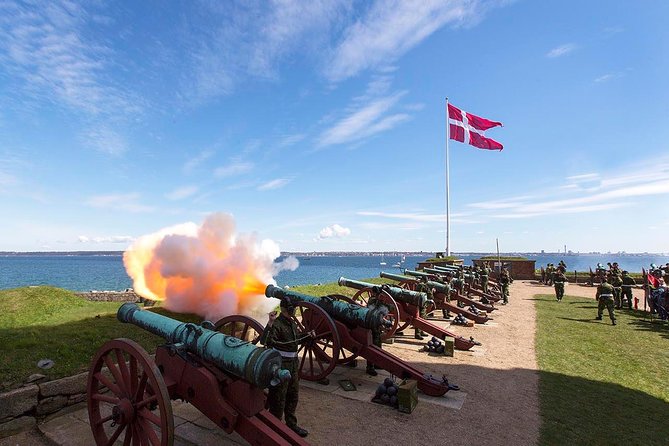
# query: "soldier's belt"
287, 354
606, 295
628, 286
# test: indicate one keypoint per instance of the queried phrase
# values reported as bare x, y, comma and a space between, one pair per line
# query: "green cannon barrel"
400, 294
446, 268
350, 314
258, 366
441, 287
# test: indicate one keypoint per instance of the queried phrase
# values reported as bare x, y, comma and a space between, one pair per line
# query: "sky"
321, 125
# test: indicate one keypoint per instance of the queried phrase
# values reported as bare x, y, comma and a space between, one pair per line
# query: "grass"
47, 322
601, 384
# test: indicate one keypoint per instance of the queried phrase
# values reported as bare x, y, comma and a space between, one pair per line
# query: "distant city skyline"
321, 125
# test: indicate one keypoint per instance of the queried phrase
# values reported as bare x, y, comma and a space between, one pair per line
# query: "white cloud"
391, 28
234, 168
108, 239
105, 140
182, 192
334, 231
194, 162
589, 193
119, 202
561, 50
604, 77
290, 140
274, 184
47, 46
364, 121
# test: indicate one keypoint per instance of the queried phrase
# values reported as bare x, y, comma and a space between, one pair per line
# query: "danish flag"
469, 129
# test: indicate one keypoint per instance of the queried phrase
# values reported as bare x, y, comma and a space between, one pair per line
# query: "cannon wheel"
362, 297
345, 356
411, 286
317, 356
130, 401
241, 327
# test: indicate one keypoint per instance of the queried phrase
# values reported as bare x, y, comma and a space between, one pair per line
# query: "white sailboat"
383, 262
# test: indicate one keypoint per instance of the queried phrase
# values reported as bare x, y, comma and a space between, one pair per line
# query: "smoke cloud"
209, 270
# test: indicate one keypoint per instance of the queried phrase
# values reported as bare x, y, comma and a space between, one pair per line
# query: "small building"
519, 267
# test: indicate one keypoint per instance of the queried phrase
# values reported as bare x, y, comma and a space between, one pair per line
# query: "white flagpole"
448, 204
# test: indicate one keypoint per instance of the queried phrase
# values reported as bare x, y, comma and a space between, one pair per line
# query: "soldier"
485, 274
423, 287
543, 276
281, 334
559, 280
605, 298
504, 280
375, 302
628, 284
616, 282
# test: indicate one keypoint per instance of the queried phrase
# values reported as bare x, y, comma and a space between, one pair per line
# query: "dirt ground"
500, 380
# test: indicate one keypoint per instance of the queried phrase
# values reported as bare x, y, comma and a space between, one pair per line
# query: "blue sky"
320, 125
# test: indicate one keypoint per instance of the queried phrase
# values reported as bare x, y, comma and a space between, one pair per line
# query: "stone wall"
111, 296
21, 408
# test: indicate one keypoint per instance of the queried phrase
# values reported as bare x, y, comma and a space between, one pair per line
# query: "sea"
99, 271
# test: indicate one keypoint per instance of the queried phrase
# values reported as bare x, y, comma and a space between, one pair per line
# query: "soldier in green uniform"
504, 280
605, 298
559, 280
485, 274
628, 284
617, 282
423, 287
375, 302
281, 334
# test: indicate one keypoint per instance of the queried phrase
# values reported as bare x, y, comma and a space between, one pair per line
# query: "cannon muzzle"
258, 366
441, 287
399, 294
350, 314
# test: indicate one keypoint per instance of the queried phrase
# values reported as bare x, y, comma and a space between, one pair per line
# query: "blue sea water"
82, 272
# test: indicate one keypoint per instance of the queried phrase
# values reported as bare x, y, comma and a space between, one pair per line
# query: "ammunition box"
407, 396
449, 346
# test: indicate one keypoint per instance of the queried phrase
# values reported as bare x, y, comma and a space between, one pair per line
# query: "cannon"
441, 297
492, 282
462, 298
343, 332
129, 394
408, 302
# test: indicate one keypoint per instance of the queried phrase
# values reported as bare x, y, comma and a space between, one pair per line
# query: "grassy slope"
601, 384
46, 322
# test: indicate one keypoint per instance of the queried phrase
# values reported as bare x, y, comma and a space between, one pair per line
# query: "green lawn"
600, 384
47, 322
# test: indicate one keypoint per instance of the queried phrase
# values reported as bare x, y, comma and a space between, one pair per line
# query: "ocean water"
83, 272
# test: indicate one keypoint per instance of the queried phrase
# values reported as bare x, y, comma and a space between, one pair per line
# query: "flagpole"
448, 204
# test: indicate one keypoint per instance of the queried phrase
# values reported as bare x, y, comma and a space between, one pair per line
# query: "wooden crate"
449, 346
407, 395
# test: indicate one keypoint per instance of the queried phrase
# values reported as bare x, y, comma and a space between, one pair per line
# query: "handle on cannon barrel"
258, 366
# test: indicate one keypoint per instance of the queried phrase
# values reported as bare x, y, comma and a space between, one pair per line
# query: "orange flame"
206, 270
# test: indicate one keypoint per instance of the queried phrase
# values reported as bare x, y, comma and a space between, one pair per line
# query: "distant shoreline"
352, 253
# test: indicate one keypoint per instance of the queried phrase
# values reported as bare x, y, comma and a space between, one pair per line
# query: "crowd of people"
614, 287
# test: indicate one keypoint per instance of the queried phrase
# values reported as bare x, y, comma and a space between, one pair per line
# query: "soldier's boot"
613, 322
299, 431
417, 335
598, 318
371, 371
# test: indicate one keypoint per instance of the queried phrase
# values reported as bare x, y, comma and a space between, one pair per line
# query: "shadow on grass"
654, 326
581, 411
70, 345
591, 320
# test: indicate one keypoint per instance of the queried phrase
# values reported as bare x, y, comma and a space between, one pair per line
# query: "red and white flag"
469, 129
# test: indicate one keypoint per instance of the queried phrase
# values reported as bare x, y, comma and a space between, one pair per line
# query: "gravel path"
499, 379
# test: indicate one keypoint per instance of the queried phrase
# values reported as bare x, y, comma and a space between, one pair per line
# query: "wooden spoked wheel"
318, 355
393, 317
128, 401
241, 327
345, 356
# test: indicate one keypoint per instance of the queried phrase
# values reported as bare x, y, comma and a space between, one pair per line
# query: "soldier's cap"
624, 272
